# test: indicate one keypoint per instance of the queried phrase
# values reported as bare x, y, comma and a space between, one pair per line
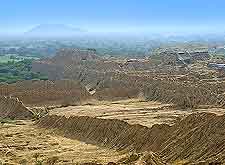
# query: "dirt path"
19, 143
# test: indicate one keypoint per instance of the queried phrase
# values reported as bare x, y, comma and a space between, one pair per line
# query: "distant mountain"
53, 30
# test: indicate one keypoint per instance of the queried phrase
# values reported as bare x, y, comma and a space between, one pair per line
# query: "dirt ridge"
198, 137
13, 108
110, 133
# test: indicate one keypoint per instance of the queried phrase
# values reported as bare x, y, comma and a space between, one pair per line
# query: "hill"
53, 30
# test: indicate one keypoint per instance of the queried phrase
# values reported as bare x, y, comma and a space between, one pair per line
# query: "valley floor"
22, 143
133, 111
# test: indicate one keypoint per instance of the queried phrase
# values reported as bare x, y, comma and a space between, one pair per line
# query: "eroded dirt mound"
14, 109
186, 94
111, 132
122, 79
41, 93
198, 137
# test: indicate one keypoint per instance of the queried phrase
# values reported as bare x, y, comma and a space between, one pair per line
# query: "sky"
18, 16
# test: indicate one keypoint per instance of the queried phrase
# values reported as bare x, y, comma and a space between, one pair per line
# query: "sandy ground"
20, 142
132, 111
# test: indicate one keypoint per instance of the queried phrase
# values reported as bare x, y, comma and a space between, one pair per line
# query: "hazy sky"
115, 15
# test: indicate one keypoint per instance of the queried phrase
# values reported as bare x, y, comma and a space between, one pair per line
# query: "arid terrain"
134, 111
24, 143
106, 111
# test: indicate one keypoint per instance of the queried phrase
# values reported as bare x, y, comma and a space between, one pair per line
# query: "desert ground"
133, 111
97, 111
23, 143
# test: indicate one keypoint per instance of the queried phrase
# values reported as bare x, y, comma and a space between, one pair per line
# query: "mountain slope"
53, 30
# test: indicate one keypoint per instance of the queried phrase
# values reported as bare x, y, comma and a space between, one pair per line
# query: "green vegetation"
5, 59
12, 57
6, 120
14, 71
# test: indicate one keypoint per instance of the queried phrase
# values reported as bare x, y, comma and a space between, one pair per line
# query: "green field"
12, 57
13, 70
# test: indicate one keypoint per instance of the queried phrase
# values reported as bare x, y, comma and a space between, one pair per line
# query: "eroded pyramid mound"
46, 93
14, 109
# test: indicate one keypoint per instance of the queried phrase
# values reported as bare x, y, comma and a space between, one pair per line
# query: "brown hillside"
61, 92
111, 133
14, 109
115, 80
198, 137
